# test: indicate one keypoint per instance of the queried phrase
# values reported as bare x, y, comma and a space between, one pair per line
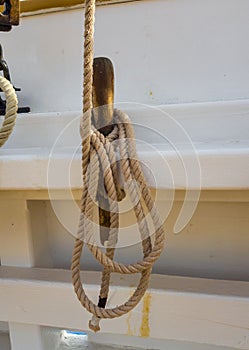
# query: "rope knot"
111, 158
99, 159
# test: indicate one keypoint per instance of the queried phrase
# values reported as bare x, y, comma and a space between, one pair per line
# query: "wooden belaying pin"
103, 94
103, 99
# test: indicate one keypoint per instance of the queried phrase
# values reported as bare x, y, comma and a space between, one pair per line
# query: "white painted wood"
214, 244
40, 235
16, 247
174, 52
171, 52
194, 145
239, 196
4, 341
17, 250
136, 343
25, 337
186, 309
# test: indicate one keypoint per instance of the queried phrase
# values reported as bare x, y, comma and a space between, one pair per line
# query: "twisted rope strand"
90, 189
101, 154
11, 110
88, 81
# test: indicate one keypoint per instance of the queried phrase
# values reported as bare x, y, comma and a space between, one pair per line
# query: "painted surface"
214, 243
194, 145
184, 309
181, 51
195, 51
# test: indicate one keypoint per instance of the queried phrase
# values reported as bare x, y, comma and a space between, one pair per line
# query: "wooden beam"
18, 249
179, 308
15, 12
32, 6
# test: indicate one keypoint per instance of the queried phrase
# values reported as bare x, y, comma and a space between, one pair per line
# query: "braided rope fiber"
100, 156
11, 110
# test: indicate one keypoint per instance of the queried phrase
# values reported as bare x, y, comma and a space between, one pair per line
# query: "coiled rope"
11, 110
103, 153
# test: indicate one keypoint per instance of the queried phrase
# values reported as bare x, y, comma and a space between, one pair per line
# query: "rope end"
94, 324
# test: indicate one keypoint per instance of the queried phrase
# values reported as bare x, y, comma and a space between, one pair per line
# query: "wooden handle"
103, 99
103, 94
15, 12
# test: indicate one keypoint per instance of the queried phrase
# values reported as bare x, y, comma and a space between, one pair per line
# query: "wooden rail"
34, 6
180, 308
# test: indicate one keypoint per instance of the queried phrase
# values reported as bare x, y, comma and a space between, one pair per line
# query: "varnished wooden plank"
29, 6
15, 12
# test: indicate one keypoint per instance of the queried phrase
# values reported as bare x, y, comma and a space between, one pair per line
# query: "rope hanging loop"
11, 110
100, 155
136, 188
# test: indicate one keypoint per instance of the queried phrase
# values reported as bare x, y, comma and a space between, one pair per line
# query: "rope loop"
11, 110
101, 155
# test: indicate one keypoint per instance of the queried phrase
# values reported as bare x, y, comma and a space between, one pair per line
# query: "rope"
11, 110
100, 155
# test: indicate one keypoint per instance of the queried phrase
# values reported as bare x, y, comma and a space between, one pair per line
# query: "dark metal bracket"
10, 16
6, 73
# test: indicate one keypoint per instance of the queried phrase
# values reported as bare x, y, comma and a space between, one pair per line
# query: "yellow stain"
145, 325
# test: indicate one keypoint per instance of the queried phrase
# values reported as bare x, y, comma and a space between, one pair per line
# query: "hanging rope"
103, 153
11, 110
